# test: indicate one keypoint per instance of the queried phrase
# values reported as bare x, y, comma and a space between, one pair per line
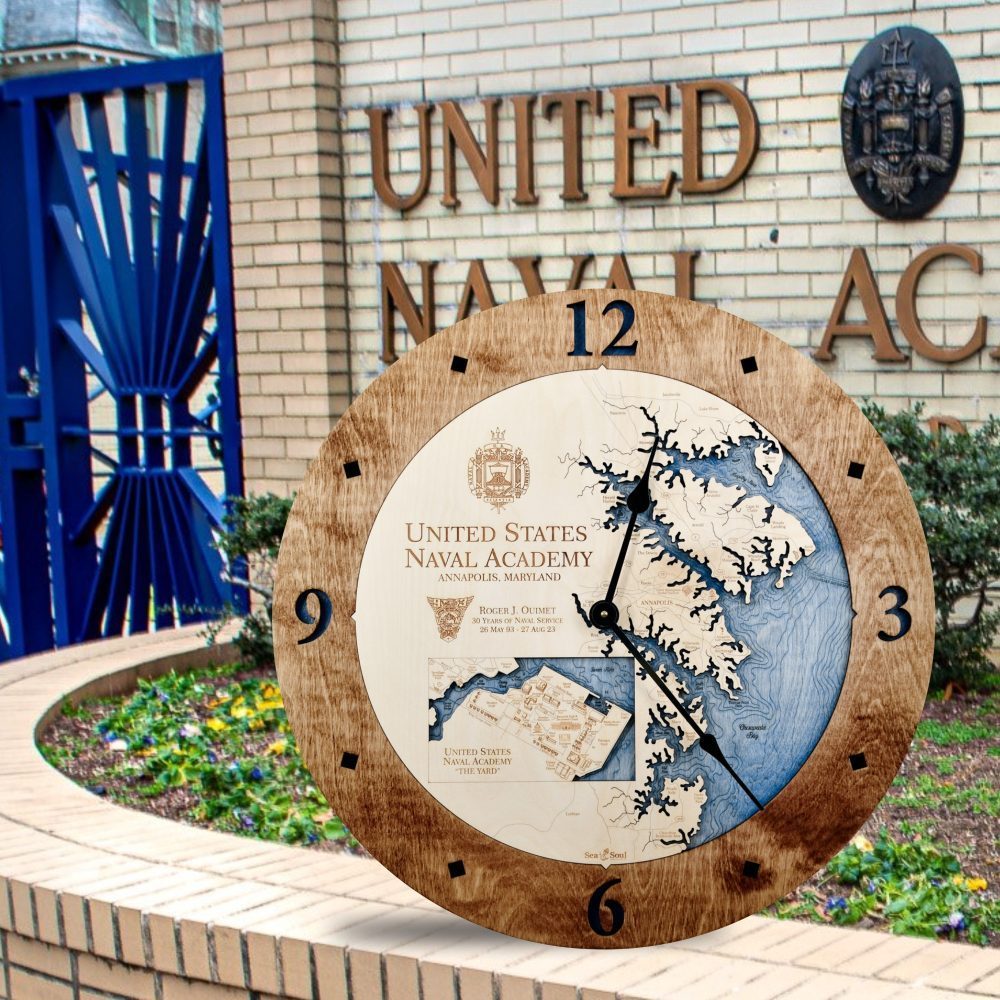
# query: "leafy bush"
955, 481
249, 545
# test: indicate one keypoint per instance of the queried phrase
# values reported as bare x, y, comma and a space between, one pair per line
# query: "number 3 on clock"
580, 329
898, 611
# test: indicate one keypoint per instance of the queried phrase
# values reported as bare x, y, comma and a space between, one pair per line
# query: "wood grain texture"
700, 889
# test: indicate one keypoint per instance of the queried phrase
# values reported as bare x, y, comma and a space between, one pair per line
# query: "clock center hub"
604, 614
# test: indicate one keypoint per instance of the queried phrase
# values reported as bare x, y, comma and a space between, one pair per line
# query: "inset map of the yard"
561, 730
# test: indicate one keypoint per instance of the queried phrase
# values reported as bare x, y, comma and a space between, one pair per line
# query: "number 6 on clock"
598, 902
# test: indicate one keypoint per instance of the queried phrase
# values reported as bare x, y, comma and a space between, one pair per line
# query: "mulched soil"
972, 837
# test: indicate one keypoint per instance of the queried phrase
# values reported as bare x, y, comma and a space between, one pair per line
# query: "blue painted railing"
119, 412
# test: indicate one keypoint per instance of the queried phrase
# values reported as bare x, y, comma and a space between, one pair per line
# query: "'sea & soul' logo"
498, 472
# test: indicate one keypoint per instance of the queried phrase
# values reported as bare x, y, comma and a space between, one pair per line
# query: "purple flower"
149, 741
956, 921
109, 736
836, 903
256, 774
211, 757
248, 822
311, 838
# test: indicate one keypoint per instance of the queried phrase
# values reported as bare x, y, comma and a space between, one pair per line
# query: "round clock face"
601, 599
496, 689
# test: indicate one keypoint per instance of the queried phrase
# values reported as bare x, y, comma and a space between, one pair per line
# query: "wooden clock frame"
588, 905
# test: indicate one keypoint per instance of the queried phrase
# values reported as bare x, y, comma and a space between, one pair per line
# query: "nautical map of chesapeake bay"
735, 588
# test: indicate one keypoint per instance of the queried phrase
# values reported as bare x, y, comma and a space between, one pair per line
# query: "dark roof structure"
75, 25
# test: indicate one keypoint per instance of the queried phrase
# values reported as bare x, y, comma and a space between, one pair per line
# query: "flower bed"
212, 747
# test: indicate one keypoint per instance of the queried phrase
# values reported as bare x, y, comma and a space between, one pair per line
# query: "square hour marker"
749, 365
456, 868
856, 470
858, 761
459, 364
352, 470
349, 760
751, 869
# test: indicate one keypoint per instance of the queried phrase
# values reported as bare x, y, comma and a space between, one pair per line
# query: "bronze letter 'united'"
902, 123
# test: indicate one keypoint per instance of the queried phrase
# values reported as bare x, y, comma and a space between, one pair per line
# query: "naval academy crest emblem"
901, 123
448, 614
498, 472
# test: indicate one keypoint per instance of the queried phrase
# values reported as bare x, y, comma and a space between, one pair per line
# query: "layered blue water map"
800, 638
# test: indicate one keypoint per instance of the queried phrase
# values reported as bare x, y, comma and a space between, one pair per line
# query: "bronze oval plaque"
901, 123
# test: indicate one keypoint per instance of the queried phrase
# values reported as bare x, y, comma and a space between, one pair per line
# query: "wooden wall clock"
603, 618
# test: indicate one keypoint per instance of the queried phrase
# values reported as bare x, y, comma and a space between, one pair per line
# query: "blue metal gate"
119, 414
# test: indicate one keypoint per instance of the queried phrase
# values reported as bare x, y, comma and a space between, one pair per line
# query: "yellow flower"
975, 884
239, 711
277, 747
269, 704
271, 691
255, 724
863, 844
217, 725
958, 879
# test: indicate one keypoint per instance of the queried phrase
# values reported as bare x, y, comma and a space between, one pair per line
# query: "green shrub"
955, 482
249, 545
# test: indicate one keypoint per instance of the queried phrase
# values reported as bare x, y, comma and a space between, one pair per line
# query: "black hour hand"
638, 503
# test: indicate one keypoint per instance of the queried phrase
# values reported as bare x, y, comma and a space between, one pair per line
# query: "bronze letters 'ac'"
902, 123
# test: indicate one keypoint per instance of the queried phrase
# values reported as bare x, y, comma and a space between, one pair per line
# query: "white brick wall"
772, 249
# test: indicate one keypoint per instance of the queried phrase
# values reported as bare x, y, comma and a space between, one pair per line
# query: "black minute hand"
638, 502
707, 741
